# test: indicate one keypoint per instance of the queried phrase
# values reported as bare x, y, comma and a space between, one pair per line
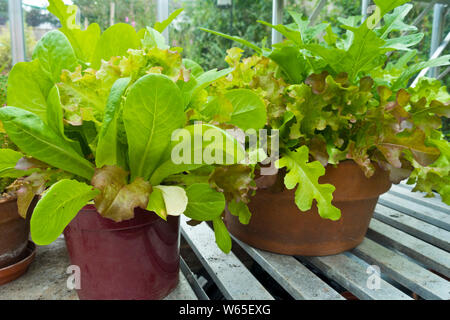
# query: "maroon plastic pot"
136, 259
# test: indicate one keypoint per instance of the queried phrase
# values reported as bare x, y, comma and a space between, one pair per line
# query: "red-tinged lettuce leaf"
397, 107
358, 152
393, 147
118, 199
306, 175
29, 188
235, 182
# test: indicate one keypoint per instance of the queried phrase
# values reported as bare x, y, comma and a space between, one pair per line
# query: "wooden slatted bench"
408, 239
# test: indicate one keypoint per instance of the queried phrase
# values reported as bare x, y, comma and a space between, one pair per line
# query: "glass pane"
37, 22
138, 13
5, 50
5, 39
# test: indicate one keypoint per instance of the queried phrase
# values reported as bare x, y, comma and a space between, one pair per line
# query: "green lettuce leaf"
157, 204
109, 151
36, 139
59, 205
204, 203
249, 110
83, 42
154, 105
55, 54
28, 88
223, 238
306, 175
115, 41
240, 209
8, 161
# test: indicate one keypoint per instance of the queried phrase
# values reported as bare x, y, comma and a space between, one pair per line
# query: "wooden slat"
190, 277
183, 291
416, 210
353, 276
230, 275
429, 255
293, 276
418, 228
406, 193
414, 277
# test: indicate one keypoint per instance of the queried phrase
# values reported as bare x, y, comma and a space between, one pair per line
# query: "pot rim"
4, 200
90, 208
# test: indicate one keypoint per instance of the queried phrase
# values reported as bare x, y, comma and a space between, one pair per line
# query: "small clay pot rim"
12, 272
7, 200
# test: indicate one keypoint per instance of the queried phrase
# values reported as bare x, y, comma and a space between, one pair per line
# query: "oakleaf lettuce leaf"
306, 175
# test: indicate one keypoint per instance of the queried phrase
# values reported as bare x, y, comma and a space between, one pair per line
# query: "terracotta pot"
277, 225
136, 259
14, 232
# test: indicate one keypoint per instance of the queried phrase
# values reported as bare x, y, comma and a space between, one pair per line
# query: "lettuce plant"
93, 115
337, 98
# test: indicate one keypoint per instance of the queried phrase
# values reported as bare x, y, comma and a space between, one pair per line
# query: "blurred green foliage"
140, 13
210, 50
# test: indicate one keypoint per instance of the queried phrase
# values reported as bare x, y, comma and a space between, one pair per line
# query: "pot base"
16, 270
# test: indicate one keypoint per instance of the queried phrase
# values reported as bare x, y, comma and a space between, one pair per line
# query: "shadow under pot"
136, 259
277, 225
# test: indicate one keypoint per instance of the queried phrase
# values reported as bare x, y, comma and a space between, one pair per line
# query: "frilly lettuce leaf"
306, 175
235, 182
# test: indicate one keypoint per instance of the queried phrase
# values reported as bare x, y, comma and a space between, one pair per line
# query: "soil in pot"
136, 259
14, 233
277, 225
